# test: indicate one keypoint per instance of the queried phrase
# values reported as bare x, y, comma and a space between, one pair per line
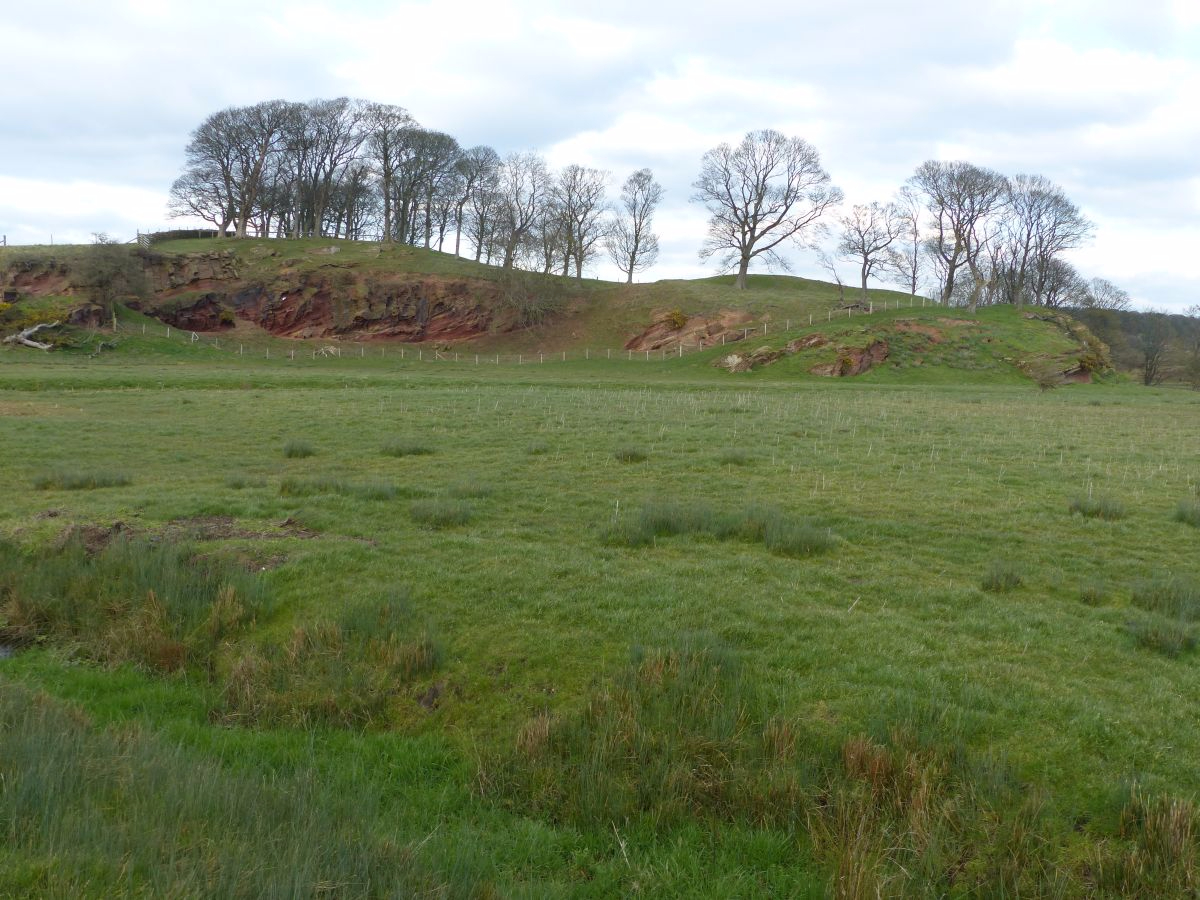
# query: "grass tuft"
405, 447
1094, 592
1188, 512
735, 457
298, 449
1170, 637
79, 480
441, 513
1098, 508
1169, 595
1002, 576
538, 448
240, 482
292, 486
630, 455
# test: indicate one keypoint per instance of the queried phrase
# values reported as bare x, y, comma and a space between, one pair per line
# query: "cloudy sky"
1098, 95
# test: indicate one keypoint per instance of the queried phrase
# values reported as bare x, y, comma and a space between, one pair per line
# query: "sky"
1100, 96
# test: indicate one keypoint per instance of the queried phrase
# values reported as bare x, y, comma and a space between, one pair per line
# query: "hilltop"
326, 290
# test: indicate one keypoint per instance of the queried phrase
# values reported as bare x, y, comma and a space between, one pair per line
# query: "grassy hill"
355, 291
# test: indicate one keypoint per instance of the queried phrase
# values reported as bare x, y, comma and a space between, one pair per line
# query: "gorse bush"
778, 532
1098, 508
298, 449
79, 480
155, 605
339, 672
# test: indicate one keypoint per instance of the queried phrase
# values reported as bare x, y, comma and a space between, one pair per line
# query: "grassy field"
377, 627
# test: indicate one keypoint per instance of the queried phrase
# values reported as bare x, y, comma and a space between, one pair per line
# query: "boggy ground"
960, 692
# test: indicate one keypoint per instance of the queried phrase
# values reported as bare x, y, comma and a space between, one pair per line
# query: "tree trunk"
743, 265
865, 296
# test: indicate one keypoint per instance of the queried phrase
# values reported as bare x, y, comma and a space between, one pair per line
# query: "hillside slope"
360, 291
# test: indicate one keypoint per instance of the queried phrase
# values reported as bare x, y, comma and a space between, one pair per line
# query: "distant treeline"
1159, 346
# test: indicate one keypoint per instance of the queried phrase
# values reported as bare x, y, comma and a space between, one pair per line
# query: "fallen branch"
25, 338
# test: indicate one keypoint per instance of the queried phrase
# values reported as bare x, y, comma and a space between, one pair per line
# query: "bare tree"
867, 232
766, 190
631, 245
906, 257
827, 262
476, 169
521, 190
1041, 223
386, 128
1100, 293
963, 199
577, 199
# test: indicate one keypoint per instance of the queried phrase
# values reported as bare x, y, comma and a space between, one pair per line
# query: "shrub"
297, 449
676, 318
1188, 512
405, 447
630, 454
1098, 508
1002, 577
79, 480
438, 513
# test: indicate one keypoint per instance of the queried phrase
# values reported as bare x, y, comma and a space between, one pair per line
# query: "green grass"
1019, 713
406, 447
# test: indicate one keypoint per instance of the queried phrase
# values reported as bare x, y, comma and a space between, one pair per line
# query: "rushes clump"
298, 449
1098, 508
1002, 576
79, 480
291, 486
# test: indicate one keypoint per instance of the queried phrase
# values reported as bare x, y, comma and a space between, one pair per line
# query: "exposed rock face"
668, 333
193, 272
87, 315
408, 308
854, 360
849, 360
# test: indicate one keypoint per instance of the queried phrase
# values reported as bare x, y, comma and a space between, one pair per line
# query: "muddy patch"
908, 326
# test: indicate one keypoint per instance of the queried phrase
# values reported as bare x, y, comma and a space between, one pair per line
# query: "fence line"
410, 352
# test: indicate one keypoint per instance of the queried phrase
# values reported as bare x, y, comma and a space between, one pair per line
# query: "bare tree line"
355, 169
967, 234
